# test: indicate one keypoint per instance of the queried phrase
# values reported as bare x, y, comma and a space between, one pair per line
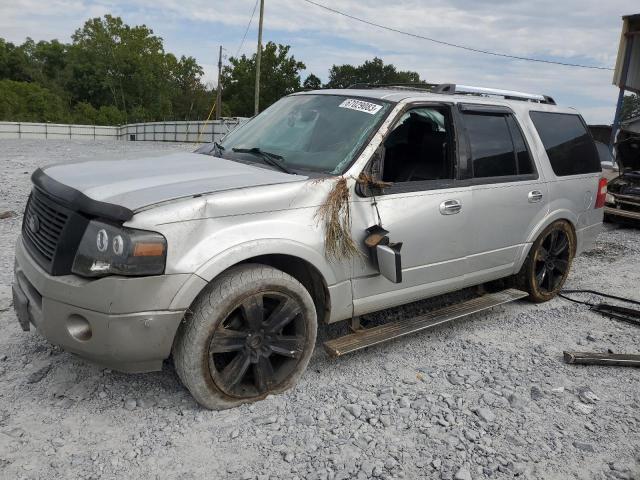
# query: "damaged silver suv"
325, 207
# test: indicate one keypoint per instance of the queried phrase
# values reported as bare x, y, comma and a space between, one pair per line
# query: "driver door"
424, 208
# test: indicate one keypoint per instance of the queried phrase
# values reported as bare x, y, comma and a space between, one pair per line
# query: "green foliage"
630, 106
28, 102
371, 71
312, 83
112, 73
279, 72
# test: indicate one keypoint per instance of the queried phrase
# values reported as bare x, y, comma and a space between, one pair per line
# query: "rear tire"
547, 266
251, 333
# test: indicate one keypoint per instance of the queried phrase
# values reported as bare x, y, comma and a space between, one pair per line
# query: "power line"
448, 44
244, 37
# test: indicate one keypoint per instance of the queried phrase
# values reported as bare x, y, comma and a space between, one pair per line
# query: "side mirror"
390, 261
385, 256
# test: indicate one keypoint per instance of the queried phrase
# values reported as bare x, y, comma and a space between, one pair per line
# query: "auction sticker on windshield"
361, 106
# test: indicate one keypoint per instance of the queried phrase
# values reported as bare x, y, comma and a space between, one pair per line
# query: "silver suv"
325, 207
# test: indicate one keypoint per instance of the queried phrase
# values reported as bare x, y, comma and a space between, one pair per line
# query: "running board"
367, 337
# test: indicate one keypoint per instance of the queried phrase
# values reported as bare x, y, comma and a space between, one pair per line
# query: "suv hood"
134, 183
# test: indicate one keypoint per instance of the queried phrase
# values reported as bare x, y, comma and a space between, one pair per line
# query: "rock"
462, 474
404, 402
235, 434
354, 409
485, 414
265, 420
585, 447
39, 374
145, 402
536, 393
471, 435
517, 402
130, 404
582, 408
306, 420
57, 442
619, 467
586, 395
454, 379
288, 457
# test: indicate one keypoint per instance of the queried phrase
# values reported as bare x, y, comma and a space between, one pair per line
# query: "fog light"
79, 328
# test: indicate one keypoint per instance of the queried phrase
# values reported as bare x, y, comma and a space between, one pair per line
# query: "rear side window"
570, 148
497, 146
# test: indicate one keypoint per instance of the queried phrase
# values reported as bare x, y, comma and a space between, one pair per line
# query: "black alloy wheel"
552, 260
258, 346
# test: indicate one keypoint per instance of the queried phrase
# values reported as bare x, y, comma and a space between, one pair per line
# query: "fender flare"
245, 251
561, 214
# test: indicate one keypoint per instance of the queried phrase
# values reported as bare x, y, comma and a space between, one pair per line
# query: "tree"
280, 76
312, 83
28, 102
371, 71
14, 64
630, 107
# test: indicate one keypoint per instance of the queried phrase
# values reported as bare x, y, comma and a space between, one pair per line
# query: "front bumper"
122, 323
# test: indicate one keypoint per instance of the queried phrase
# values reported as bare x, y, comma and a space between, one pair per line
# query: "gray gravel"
486, 397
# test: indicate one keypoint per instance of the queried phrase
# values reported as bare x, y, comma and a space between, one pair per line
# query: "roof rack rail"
400, 86
453, 89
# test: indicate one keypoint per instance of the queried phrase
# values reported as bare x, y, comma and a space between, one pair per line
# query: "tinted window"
417, 149
569, 146
523, 159
497, 146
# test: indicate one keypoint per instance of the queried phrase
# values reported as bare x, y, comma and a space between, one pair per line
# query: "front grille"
43, 224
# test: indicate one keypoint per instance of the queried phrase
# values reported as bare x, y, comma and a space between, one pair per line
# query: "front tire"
547, 266
251, 333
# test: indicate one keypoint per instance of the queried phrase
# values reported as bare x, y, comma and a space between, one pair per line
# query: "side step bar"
372, 336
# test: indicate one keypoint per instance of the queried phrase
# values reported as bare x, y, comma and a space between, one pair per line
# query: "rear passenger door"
509, 197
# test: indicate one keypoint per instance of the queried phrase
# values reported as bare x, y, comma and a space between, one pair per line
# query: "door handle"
534, 196
450, 207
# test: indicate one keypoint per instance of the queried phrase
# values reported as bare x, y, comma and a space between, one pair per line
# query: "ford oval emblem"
33, 224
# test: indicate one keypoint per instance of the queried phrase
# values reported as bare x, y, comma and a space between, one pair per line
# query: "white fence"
196, 131
56, 130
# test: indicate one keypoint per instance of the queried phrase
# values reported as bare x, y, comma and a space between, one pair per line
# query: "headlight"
110, 250
610, 199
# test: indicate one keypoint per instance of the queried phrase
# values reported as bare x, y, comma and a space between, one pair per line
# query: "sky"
574, 31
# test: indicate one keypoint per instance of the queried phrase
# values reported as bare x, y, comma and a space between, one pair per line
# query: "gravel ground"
486, 397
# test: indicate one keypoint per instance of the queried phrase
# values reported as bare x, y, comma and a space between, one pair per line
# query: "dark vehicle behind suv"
623, 198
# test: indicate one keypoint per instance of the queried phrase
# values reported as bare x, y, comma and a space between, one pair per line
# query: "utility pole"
219, 94
258, 58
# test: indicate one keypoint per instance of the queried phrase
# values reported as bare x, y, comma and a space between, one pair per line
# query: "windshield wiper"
267, 157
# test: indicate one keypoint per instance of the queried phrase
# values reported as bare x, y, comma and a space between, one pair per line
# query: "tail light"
602, 193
